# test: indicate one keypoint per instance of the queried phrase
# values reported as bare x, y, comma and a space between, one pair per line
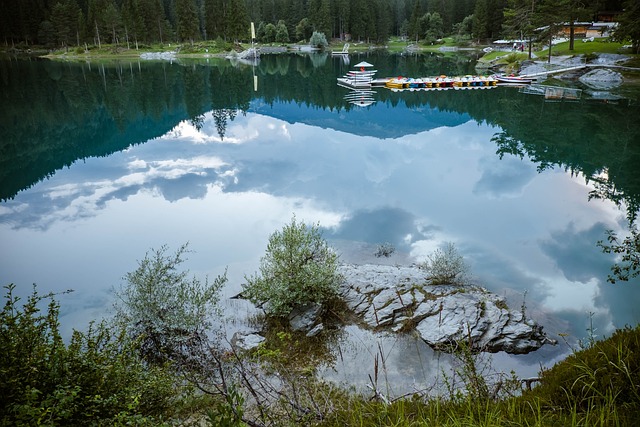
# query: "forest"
135, 23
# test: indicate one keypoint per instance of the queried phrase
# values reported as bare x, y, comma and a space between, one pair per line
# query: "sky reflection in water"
527, 235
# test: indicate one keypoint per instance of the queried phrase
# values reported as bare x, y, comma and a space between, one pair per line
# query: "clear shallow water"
100, 163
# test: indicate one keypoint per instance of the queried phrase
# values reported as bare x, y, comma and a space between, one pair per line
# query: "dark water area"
99, 162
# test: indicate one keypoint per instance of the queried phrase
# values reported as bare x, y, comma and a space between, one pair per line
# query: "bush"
166, 311
319, 40
97, 379
446, 266
385, 250
298, 268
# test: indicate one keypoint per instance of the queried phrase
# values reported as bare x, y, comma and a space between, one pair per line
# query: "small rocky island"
402, 299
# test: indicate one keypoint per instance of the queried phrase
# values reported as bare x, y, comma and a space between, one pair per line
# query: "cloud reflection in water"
520, 230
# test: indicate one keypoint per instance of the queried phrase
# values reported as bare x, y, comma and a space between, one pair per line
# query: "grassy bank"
596, 386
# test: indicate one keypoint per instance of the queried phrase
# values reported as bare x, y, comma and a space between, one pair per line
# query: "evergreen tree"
304, 29
319, 15
629, 24
282, 34
370, 24
214, 13
520, 20
383, 20
481, 20
46, 34
104, 21
495, 15
572, 11
414, 21
237, 20
112, 22
269, 33
432, 27
132, 18
547, 18
187, 19
342, 12
358, 23
65, 18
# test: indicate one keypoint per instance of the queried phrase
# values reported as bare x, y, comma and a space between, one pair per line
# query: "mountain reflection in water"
99, 163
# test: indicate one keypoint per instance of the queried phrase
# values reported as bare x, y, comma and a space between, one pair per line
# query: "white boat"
512, 79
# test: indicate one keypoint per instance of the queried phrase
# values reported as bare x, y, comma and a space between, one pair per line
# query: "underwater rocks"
402, 299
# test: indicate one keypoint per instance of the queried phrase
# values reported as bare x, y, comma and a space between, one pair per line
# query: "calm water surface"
101, 162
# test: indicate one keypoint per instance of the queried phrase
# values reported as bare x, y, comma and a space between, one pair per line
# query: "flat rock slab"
402, 299
602, 79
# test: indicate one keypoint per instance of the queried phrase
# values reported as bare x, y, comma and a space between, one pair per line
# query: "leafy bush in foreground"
298, 268
165, 310
97, 379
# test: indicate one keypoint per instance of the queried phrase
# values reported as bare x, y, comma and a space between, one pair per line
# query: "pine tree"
214, 14
65, 18
481, 20
414, 21
629, 24
187, 20
237, 20
282, 34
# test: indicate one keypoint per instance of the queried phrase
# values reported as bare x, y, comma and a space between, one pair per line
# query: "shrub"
446, 266
169, 313
385, 250
318, 39
97, 379
298, 268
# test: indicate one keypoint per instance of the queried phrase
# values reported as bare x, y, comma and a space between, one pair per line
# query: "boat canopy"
363, 64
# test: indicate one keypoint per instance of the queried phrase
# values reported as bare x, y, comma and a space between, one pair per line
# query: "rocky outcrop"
402, 299
602, 79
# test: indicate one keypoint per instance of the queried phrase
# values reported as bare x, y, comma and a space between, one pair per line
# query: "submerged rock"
304, 318
402, 299
246, 340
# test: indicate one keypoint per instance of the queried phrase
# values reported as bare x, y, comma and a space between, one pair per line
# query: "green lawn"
581, 47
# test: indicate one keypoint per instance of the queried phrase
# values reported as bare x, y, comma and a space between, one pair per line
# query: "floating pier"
441, 82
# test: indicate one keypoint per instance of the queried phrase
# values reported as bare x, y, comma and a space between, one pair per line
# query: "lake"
102, 161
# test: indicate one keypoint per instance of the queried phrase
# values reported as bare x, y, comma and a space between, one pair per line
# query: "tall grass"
596, 386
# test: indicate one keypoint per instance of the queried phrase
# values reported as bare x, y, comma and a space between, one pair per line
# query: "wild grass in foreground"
596, 386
